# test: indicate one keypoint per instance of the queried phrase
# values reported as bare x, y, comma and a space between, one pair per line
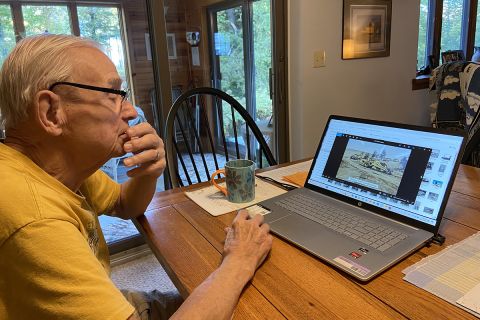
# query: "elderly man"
65, 115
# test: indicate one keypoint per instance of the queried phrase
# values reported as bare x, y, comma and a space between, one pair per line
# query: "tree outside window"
422, 35
454, 34
451, 25
7, 35
46, 19
102, 24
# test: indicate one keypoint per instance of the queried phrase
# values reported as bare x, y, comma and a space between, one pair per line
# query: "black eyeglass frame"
122, 93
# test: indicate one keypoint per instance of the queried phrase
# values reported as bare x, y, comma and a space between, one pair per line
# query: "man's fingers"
146, 142
147, 169
140, 130
152, 155
258, 219
265, 227
241, 215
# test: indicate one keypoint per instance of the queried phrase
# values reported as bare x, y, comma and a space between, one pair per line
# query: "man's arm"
246, 246
147, 163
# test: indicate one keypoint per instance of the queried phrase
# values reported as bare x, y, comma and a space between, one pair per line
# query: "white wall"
376, 88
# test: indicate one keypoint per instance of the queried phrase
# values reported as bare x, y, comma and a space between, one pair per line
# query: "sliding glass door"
240, 36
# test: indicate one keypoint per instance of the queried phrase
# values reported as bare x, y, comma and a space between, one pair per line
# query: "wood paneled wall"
180, 67
136, 23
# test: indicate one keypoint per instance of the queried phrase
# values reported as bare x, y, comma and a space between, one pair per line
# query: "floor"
142, 274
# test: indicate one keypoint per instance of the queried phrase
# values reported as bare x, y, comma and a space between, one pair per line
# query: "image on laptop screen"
404, 171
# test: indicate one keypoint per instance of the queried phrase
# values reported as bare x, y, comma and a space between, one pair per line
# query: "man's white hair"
35, 64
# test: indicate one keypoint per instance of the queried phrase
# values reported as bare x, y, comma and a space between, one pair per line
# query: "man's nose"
128, 111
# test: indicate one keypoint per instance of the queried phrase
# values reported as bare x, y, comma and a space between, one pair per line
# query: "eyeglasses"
122, 93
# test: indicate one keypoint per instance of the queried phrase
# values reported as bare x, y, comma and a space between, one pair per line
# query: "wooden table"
292, 284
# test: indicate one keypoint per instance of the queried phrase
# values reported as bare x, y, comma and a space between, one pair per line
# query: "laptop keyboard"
375, 235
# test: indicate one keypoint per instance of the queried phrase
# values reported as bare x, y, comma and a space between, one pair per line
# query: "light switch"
319, 59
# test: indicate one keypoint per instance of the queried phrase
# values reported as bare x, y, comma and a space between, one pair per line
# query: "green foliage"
102, 24
451, 25
262, 39
229, 24
7, 35
52, 19
422, 35
451, 28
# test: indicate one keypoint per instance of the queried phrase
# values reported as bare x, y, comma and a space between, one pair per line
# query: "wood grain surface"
292, 284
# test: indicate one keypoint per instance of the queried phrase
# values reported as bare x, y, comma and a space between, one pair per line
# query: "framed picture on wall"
366, 28
171, 46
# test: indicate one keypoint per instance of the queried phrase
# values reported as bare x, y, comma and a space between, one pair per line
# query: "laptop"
375, 193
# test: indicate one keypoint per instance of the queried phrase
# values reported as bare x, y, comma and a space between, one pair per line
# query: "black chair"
471, 155
205, 128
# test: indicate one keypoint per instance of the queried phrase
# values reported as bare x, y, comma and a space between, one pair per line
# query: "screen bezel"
378, 210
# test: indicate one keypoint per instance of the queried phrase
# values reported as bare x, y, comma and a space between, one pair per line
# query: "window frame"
434, 34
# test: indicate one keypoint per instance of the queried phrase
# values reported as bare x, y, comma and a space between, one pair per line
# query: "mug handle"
212, 180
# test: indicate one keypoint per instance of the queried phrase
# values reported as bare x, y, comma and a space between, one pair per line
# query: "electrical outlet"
319, 59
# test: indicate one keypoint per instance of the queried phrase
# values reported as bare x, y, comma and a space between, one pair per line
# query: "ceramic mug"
240, 180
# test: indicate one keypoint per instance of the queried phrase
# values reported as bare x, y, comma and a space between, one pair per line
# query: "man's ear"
48, 112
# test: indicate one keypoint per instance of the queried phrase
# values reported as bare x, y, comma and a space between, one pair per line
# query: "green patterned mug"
240, 180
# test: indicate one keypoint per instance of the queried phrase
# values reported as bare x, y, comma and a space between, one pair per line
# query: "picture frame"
366, 28
171, 46
452, 55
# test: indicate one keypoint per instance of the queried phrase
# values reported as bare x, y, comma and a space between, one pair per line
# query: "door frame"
280, 79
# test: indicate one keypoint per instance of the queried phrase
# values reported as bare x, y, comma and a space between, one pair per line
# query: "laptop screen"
404, 171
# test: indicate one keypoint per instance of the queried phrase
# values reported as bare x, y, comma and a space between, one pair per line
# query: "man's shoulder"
23, 200
17, 202
15, 187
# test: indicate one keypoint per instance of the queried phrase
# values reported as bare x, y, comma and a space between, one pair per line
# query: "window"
45, 19
240, 35
7, 35
452, 17
422, 35
101, 23
446, 25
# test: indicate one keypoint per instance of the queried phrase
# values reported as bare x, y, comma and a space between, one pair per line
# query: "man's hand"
248, 242
148, 150
246, 247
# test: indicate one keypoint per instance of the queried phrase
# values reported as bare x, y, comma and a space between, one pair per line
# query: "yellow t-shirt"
54, 261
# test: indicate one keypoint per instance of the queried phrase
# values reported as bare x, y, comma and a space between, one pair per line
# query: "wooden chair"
205, 128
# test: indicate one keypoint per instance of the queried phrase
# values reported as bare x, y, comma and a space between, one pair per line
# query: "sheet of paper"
472, 300
214, 202
279, 173
298, 178
451, 273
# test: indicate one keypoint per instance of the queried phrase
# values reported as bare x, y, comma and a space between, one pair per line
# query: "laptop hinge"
437, 239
